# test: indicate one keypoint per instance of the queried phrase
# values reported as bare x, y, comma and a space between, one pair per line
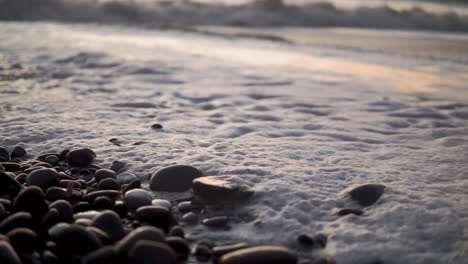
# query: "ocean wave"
260, 13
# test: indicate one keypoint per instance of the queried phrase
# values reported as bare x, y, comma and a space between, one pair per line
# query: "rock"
63, 155
190, 218
20, 219
187, 206
177, 231
56, 193
156, 126
8, 185
157, 216
82, 207
4, 154
10, 166
103, 236
23, 240
102, 174
217, 221
176, 178
180, 246
162, 202
117, 165
17, 152
149, 233
367, 194
217, 190
109, 184
52, 160
73, 241
136, 184
347, 211
87, 215
126, 177
104, 255
109, 222
3, 212
108, 193
8, 254
49, 258
31, 200
51, 218
64, 209
218, 251
103, 203
121, 209
44, 178
145, 252
137, 198
80, 157
260, 255
202, 252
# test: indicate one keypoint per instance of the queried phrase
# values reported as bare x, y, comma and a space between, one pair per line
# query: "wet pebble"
102, 174
137, 198
217, 221
64, 209
202, 252
177, 231
19, 219
104, 255
18, 152
260, 255
176, 178
117, 165
347, 211
109, 184
367, 194
214, 190
103, 203
80, 157
162, 202
52, 160
43, 178
218, 251
10, 166
136, 184
56, 193
112, 194
190, 218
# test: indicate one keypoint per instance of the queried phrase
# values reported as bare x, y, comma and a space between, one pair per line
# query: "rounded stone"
121, 209
17, 152
162, 202
56, 193
109, 184
347, 211
31, 200
51, 218
180, 246
52, 160
23, 240
177, 231
137, 198
64, 209
20, 219
260, 255
44, 178
202, 252
149, 233
216, 221
109, 222
136, 184
8, 185
367, 194
104, 255
75, 241
217, 190
103, 203
8, 254
157, 216
112, 194
102, 174
4, 154
10, 166
80, 157
145, 252
190, 218
176, 178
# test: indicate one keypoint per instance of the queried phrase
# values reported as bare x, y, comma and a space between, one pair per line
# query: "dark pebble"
136, 184
82, 207
10, 166
180, 246
141, 233
104, 174
3, 212
17, 152
52, 160
56, 193
20, 219
176, 178
213, 190
42, 164
103, 203
8, 185
65, 183
202, 253
4, 154
104, 255
48, 257
109, 184
51, 218
190, 218
157, 216
8, 254
117, 165
187, 206
31, 200
63, 155
217, 221
75, 241
156, 126
260, 255
137, 198
80, 157
103, 236
109, 222
145, 252
367, 194
218, 251
65, 210
347, 211
44, 178
21, 178
23, 240
109, 193
177, 231
121, 209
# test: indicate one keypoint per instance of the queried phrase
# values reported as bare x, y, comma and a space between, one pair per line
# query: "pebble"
180, 246
117, 165
176, 178
149, 233
214, 190
104, 255
3, 212
109, 222
52, 160
51, 218
48, 257
8, 185
8, 254
177, 231
82, 207
4, 154
126, 178
260, 255
145, 252
103, 236
156, 126
190, 218
137, 198
80, 157
102, 174
103, 203
367, 194
121, 209
187, 206
75, 241
23, 240
64, 209
347, 211
44, 178
19, 219
217, 221
56, 193
10, 166
157, 216
202, 252
218, 251
162, 202
17, 152
108, 193
109, 184
31, 200
136, 184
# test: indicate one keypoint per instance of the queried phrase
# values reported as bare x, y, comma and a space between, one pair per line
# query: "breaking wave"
260, 13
